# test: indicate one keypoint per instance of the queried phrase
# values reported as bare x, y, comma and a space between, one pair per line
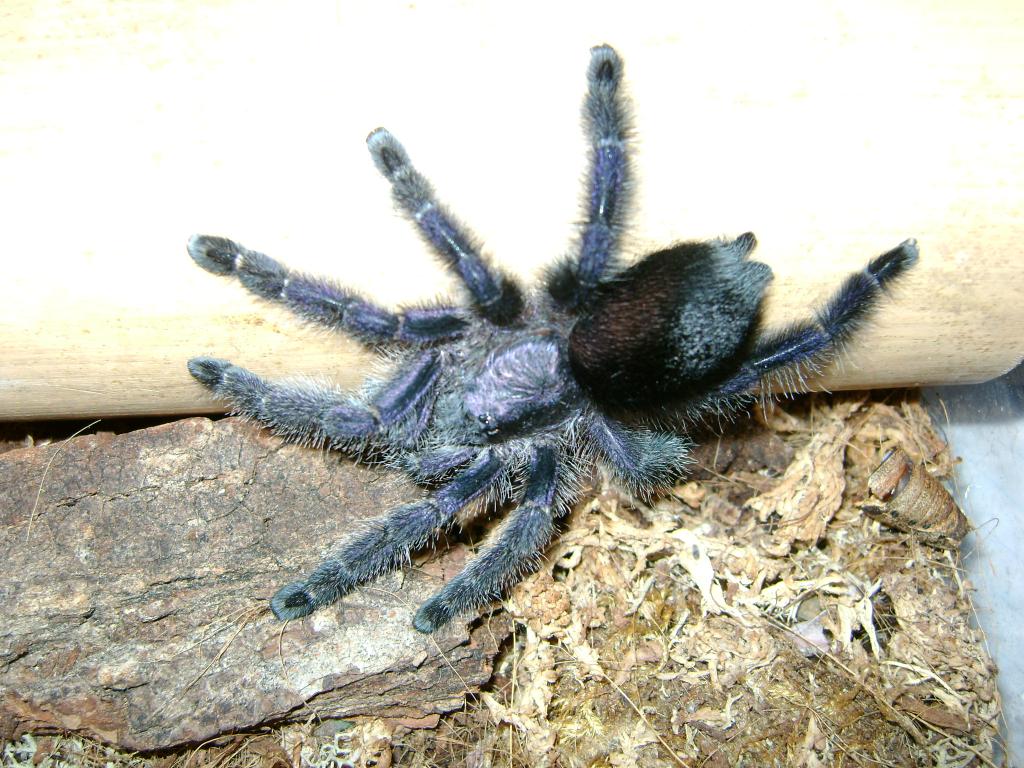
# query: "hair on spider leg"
493, 294
511, 400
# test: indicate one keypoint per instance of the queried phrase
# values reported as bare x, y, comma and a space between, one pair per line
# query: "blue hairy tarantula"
514, 397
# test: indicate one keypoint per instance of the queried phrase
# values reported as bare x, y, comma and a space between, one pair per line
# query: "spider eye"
489, 423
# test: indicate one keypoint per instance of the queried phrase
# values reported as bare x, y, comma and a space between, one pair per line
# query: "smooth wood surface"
833, 131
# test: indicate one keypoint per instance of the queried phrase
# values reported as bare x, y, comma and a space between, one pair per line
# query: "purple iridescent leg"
384, 544
515, 549
604, 112
322, 301
809, 342
496, 296
303, 410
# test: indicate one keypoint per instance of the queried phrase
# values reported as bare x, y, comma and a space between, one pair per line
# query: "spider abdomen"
670, 324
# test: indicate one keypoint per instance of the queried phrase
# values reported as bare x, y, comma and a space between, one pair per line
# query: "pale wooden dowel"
832, 136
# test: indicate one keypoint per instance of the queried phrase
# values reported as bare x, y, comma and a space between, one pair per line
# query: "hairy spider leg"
497, 297
434, 464
607, 126
643, 459
303, 410
515, 548
809, 342
384, 544
323, 302
395, 400
605, 119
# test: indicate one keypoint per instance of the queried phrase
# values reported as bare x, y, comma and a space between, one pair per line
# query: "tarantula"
514, 397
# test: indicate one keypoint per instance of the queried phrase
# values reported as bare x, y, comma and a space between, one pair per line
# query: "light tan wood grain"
833, 131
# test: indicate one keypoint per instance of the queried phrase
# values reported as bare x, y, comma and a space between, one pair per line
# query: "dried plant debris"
753, 616
64, 752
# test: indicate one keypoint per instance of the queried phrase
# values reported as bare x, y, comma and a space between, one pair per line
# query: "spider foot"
894, 262
434, 613
605, 67
293, 602
214, 254
388, 153
208, 370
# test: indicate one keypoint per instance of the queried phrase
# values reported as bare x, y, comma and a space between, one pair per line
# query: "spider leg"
384, 544
515, 549
607, 126
431, 465
496, 296
395, 400
321, 301
809, 342
643, 459
308, 411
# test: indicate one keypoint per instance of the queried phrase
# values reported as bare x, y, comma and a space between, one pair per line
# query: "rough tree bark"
135, 591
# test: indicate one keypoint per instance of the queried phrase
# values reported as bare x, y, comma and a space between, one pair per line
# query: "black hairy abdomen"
667, 327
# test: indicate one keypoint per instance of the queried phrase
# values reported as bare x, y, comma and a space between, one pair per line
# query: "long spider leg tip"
605, 66
195, 242
208, 370
214, 254
605, 52
432, 615
378, 135
388, 153
895, 262
382, 142
292, 602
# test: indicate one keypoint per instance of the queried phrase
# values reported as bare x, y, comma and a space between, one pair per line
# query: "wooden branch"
833, 133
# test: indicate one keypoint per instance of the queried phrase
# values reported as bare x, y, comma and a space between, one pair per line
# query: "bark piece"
135, 595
